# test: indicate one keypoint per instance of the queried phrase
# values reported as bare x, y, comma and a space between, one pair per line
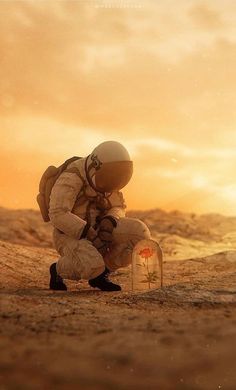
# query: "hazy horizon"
133, 210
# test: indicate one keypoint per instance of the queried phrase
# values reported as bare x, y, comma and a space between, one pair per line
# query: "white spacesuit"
87, 210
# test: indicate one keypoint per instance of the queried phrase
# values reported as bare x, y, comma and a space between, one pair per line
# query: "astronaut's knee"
139, 229
126, 260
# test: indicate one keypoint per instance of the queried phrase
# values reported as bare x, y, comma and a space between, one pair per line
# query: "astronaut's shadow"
46, 293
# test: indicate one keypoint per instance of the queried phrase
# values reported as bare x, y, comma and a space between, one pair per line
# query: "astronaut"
91, 232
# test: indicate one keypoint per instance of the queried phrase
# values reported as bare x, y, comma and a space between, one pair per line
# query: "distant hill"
24, 226
181, 235
203, 227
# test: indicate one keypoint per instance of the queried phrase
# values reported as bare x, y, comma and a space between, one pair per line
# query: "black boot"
56, 282
103, 283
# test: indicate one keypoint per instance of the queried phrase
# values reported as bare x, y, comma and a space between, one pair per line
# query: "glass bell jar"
147, 266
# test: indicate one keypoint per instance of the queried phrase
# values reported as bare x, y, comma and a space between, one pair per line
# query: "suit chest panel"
89, 198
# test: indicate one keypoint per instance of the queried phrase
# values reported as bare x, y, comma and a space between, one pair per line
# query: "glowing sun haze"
158, 76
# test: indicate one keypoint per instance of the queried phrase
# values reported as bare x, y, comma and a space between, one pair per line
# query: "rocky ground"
180, 337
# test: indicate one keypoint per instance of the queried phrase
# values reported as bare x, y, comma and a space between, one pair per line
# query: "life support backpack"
47, 181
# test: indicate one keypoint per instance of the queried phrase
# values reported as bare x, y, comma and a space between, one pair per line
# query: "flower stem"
149, 285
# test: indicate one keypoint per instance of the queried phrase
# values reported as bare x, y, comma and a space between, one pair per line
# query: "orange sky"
158, 76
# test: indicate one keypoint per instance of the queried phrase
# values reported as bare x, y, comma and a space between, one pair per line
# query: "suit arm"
118, 206
62, 200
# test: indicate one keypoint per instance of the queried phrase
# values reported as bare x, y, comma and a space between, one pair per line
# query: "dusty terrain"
180, 337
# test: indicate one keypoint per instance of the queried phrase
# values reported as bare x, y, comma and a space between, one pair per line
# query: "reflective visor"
113, 175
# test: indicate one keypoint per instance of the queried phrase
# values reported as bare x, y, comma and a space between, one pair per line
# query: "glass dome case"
147, 266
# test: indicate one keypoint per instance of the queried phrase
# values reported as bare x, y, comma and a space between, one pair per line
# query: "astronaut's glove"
101, 238
89, 233
105, 229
